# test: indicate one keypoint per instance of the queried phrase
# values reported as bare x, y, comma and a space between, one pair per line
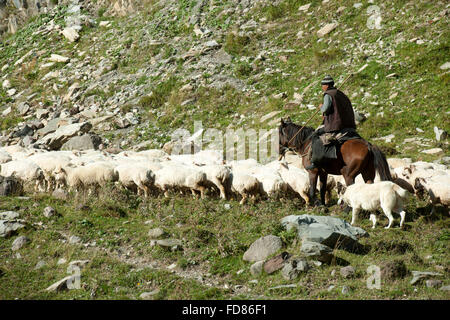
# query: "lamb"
217, 176
297, 179
245, 185
48, 162
385, 194
92, 175
179, 176
24, 170
437, 187
136, 177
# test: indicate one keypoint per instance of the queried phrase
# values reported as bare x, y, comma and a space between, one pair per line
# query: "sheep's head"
419, 188
341, 190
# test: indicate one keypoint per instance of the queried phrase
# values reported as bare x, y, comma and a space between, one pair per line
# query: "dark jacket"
342, 115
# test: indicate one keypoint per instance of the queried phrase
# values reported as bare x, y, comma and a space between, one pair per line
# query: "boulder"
156, 233
347, 272
9, 227
63, 134
84, 142
49, 212
19, 242
10, 186
293, 268
317, 251
256, 268
276, 263
263, 248
418, 276
71, 34
171, 244
330, 231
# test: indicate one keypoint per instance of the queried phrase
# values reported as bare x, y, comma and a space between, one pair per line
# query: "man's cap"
327, 80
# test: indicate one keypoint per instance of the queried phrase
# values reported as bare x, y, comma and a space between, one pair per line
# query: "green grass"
214, 240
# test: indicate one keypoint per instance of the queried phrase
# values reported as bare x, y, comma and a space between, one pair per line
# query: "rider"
337, 114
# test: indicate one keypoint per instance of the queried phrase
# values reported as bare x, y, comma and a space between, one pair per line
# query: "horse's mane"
291, 129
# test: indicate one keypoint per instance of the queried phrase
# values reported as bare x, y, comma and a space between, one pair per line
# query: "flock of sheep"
153, 171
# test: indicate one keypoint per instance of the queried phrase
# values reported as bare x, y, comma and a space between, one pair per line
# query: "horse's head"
283, 136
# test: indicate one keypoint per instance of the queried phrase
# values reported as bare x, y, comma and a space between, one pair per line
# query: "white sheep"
181, 177
26, 171
297, 179
91, 175
437, 187
245, 185
5, 157
48, 162
385, 194
217, 175
137, 177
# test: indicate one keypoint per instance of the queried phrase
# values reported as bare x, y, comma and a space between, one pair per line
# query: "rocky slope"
138, 70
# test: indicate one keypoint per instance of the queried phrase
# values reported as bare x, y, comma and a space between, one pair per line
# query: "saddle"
330, 141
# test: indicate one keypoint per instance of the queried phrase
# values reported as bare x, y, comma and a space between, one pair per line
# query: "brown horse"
355, 156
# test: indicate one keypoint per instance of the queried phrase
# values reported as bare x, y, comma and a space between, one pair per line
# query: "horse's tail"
380, 163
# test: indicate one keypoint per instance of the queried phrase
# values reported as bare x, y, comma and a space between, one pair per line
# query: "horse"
355, 156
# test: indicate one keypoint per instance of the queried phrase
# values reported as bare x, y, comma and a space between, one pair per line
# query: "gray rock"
348, 272
60, 194
172, 244
40, 265
440, 134
149, 295
419, 276
19, 243
317, 251
56, 139
433, 283
49, 212
9, 227
256, 268
74, 240
78, 263
445, 288
359, 117
156, 233
84, 142
293, 268
9, 215
10, 186
330, 231
71, 34
61, 284
263, 248
23, 108
326, 29
51, 126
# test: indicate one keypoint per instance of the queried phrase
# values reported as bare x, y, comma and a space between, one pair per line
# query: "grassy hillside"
228, 64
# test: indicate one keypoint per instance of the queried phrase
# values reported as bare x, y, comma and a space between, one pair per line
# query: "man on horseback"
338, 116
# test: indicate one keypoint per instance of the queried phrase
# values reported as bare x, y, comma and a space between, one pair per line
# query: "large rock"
330, 231
9, 223
84, 142
10, 186
19, 242
262, 248
317, 251
293, 268
71, 34
419, 276
56, 139
326, 29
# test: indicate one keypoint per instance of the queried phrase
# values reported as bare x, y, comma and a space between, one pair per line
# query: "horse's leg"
349, 172
323, 186
313, 185
368, 173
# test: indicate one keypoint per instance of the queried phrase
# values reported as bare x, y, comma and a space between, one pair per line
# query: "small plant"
236, 44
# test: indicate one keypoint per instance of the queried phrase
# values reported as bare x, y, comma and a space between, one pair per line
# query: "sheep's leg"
355, 212
202, 192
390, 217
166, 193
402, 217
244, 198
223, 194
373, 218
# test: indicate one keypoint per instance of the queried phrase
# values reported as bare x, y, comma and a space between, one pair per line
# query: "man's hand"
320, 106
